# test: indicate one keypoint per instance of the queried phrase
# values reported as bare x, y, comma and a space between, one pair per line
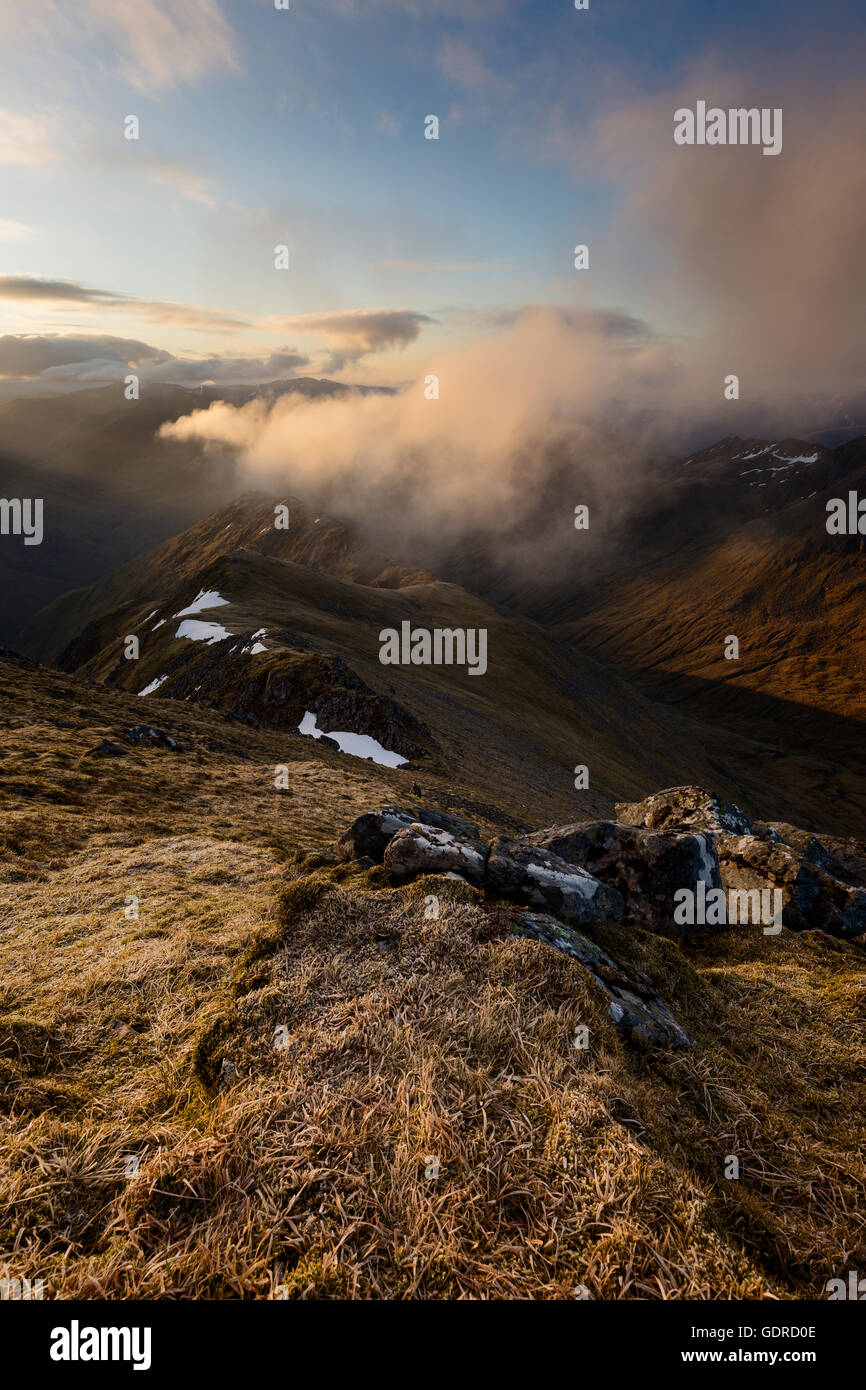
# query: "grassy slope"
409, 1038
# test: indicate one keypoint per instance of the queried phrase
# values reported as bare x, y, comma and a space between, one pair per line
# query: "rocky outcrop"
678, 847
822, 886
638, 1013
685, 808
812, 898
646, 867
422, 849
529, 873
369, 835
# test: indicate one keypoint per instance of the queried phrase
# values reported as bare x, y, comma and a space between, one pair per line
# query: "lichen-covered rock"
637, 1011
534, 875
646, 866
443, 820
422, 849
369, 835
685, 808
808, 847
812, 898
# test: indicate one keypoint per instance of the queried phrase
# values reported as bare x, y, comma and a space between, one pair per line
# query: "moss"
27, 1043
209, 1049
312, 1278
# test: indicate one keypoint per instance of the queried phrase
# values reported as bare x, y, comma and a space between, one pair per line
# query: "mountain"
110, 487
336, 965
312, 601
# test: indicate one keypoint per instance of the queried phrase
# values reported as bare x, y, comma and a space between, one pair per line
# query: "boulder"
155, 738
639, 1015
443, 820
685, 808
812, 898
369, 835
422, 849
646, 867
534, 875
823, 852
105, 749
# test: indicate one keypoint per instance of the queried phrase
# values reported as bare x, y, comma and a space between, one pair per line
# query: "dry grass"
409, 1038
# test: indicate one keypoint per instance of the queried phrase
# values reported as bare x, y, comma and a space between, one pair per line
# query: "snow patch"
205, 598
257, 645
154, 685
359, 745
198, 631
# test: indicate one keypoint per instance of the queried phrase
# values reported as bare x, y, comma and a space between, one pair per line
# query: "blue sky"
306, 126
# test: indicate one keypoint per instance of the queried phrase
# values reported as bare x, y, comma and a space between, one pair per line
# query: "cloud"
26, 355
27, 139
154, 45
350, 335
553, 409
34, 287
163, 43
767, 254
190, 183
601, 323
203, 320
357, 332
15, 231
460, 64
82, 359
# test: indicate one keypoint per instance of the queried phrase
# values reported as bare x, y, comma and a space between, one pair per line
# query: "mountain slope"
427, 1127
517, 733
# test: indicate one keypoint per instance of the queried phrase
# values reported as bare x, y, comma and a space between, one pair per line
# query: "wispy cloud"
164, 43
27, 139
154, 45
15, 231
34, 288
353, 334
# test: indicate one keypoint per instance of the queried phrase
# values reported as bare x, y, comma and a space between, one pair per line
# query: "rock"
106, 749
422, 849
638, 1013
445, 821
369, 835
154, 738
812, 898
532, 874
646, 866
804, 843
685, 808
325, 741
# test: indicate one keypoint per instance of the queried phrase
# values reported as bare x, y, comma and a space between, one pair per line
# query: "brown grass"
409, 1038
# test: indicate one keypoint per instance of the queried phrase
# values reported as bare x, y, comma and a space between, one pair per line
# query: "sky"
305, 127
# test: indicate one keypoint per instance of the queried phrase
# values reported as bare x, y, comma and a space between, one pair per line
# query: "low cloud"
358, 332
27, 355
551, 396
63, 360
